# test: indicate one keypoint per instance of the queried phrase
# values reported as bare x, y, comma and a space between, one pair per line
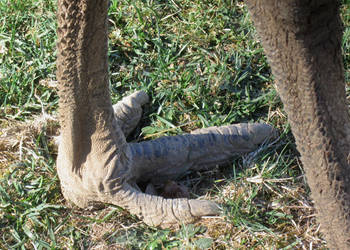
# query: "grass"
202, 64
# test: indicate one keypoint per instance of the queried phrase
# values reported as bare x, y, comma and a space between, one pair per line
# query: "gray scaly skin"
95, 164
171, 156
302, 41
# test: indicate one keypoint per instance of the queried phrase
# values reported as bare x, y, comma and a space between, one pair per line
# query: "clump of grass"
202, 64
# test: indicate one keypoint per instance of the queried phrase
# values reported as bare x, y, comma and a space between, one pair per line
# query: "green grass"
201, 63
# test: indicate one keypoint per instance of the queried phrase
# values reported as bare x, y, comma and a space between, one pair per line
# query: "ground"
202, 65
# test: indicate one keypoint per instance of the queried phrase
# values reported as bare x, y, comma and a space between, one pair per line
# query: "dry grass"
17, 138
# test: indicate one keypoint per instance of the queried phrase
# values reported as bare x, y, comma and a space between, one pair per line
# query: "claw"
200, 208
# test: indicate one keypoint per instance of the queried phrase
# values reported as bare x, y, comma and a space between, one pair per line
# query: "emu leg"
302, 40
95, 163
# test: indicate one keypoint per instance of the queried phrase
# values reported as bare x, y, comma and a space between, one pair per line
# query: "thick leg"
95, 163
302, 40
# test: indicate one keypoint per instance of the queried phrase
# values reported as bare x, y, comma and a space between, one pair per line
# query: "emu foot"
111, 168
166, 158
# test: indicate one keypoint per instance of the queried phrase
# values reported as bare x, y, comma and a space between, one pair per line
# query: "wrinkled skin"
302, 41
96, 164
